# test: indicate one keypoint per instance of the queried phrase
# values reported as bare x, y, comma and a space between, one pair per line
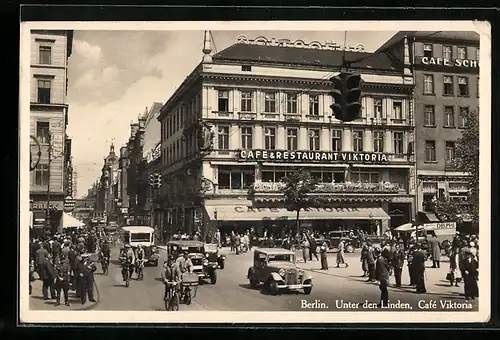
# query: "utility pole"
47, 219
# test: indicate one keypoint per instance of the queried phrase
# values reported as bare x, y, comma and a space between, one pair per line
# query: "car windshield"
140, 237
280, 257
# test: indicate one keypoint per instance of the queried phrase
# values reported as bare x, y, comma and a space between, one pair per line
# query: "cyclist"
171, 273
127, 258
105, 253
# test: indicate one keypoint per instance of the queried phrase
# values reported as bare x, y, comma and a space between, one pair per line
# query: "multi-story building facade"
50, 51
107, 200
123, 199
251, 113
446, 70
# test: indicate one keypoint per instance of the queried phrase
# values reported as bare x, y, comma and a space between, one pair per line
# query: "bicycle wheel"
174, 303
187, 297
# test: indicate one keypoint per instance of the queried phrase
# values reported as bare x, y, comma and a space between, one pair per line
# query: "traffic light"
346, 96
158, 181
151, 179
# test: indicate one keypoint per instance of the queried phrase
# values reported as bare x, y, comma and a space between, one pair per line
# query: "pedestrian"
418, 264
56, 251
305, 247
31, 277
363, 259
370, 260
397, 262
454, 275
471, 275
85, 272
48, 276
340, 255
312, 248
324, 256
382, 275
435, 250
62, 282
237, 243
409, 262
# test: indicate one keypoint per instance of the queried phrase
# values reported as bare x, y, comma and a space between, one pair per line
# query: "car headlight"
300, 272
282, 272
155, 249
206, 254
205, 262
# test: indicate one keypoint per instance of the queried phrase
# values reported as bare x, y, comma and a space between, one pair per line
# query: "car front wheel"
307, 290
273, 287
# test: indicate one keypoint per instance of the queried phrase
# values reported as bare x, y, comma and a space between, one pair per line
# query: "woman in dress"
455, 276
323, 254
340, 255
305, 248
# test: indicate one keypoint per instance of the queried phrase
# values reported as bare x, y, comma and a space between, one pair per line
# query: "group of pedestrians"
62, 265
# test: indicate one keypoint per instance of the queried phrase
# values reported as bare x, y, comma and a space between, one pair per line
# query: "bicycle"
105, 265
172, 303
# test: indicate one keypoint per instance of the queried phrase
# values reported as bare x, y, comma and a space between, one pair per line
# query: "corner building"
259, 111
446, 71
50, 51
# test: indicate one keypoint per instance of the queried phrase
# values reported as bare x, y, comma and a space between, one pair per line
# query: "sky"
115, 75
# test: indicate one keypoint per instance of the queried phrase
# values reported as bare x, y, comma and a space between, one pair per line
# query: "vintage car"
275, 268
350, 243
135, 235
202, 266
212, 254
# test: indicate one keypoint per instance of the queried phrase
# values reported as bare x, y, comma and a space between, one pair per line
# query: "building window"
450, 152
45, 55
246, 137
235, 178
399, 178
314, 105
429, 115
42, 132
292, 139
378, 141
398, 143
246, 101
314, 140
428, 84
42, 175
365, 176
246, 68
462, 53
337, 140
328, 176
447, 52
291, 103
270, 102
397, 110
477, 53
223, 137
270, 138
428, 50
223, 103
357, 141
430, 151
463, 86
448, 86
449, 116
377, 108
273, 176
44, 91
464, 111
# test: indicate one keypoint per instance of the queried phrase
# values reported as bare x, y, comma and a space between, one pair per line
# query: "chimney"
407, 67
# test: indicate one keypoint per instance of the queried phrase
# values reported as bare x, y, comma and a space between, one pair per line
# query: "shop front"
40, 226
241, 215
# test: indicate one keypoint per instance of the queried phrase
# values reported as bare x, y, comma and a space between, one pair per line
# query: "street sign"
69, 203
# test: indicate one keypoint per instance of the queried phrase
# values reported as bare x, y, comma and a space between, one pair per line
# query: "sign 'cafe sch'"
313, 156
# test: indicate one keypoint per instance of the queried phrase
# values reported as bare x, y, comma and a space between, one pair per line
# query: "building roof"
305, 57
441, 35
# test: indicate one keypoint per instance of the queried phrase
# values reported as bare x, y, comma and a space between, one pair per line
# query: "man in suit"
63, 270
85, 272
435, 250
48, 276
397, 262
370, 261
418, 266
382, 275
56, 251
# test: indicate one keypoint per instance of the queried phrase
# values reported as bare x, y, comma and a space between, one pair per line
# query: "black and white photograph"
255, 172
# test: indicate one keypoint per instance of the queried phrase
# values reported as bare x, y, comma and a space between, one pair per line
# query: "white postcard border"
45, 316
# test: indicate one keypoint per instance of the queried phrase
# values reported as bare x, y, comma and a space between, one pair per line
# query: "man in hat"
370, 261
184, 263
85, 273
418, 265
382, 275
397, 261
56, 249
63, 270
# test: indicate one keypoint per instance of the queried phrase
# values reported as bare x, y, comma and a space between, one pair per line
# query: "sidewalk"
37, 302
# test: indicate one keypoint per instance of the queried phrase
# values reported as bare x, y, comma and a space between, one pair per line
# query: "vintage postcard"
255, 172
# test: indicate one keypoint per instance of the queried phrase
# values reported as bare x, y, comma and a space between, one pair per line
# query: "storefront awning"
71, 222
238, 212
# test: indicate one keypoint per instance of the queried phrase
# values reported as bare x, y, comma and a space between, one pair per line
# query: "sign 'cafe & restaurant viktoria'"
345, 203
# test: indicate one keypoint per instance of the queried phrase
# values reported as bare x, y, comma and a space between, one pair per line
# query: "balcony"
324, 188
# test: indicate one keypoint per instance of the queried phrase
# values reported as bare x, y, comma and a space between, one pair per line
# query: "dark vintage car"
350, 243
204, 267
275, 268
212, 254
